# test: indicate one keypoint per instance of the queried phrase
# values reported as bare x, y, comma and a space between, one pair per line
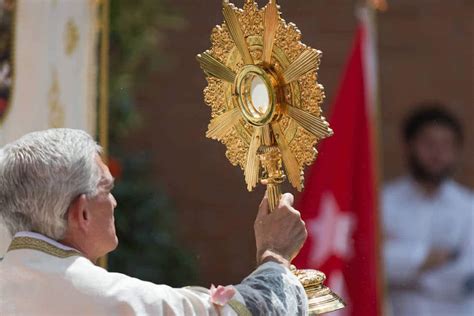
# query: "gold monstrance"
265, 105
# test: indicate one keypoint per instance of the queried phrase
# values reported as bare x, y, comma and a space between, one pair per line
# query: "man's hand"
280, 234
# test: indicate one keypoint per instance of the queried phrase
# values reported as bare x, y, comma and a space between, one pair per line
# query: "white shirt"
39, 276
414, 224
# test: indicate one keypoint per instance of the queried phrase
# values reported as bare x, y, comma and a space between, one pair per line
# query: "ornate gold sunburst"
265, 106
255, 50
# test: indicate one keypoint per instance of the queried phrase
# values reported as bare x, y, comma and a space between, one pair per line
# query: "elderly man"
55, 199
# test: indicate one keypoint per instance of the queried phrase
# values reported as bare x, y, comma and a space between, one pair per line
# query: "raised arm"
272, 289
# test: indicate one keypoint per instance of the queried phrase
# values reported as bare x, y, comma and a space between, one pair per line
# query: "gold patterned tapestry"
48, 67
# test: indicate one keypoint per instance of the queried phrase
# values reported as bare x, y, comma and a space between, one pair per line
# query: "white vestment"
39, 276
414, 224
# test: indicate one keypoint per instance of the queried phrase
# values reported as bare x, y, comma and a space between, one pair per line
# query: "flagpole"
372, 7
104, 90
104, 80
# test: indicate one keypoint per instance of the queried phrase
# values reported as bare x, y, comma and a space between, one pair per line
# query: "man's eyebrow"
108, 182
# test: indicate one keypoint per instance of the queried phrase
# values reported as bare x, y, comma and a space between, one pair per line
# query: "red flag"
339, 203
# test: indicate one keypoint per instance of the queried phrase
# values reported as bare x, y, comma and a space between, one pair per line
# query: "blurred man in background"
429, 222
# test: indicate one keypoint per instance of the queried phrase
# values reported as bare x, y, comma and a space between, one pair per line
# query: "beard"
423, 174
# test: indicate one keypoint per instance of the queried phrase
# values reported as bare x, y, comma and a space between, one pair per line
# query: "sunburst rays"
235, 30
270, 28
252, 166
223, 123
316, 125
306, 62
273, 133
215, 68
289, 160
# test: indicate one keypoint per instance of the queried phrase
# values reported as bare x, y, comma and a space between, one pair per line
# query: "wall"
426, 52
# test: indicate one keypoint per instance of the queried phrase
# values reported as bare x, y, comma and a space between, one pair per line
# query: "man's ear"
78, 213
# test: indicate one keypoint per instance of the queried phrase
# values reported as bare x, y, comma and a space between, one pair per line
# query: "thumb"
287, 199
263, 209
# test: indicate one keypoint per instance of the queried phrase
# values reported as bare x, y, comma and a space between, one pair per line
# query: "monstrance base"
320, 298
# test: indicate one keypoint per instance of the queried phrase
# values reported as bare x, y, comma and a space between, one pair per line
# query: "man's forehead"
105, 175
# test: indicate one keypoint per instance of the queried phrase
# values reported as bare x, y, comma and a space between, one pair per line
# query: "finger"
290, 210
296, 212
304, 230
286, 199
263, 209
265, 196
303, 223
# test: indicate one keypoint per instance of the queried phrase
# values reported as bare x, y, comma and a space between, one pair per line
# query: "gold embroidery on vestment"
239, 308
40, 245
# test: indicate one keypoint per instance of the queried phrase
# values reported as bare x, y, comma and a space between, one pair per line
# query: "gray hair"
41, 174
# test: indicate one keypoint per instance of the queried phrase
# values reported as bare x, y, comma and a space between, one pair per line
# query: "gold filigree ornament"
71, 37
265, 107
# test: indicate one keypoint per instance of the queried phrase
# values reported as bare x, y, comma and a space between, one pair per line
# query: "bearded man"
56, 200
429, 222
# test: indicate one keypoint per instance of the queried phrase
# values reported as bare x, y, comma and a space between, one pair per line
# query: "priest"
56, 200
